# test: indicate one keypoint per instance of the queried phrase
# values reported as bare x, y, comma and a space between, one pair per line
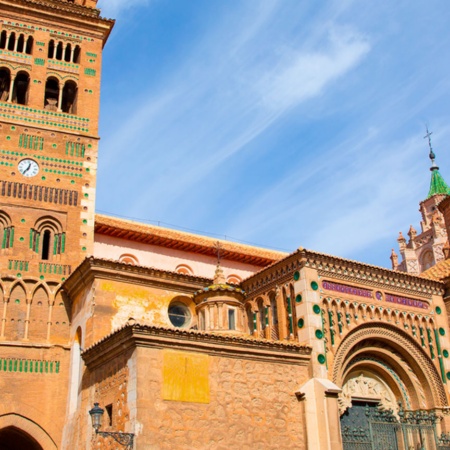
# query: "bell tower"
50, 67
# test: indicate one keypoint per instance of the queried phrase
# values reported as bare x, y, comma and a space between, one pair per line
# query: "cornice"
135, 335
181, 240
339, 268
67, 12
92, 268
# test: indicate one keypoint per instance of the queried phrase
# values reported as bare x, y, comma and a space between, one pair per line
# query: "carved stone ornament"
363, 387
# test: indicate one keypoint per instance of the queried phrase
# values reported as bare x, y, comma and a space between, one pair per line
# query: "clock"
28, 167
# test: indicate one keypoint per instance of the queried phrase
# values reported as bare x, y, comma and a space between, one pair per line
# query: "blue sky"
281, 123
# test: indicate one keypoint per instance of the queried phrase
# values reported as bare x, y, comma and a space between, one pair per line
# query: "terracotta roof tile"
439, 271
181, 240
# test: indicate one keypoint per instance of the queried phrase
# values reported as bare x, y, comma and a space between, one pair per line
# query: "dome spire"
437, 185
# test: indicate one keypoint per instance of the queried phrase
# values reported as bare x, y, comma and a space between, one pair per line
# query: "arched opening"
427, 260
51, 94
59, 51
3, 36
51, 49
11, 41
76, 54
69, 98
67, 52
127, 258
274, 318
29, 46
21, 43
12, 438
20, 92
46, 238
5, 80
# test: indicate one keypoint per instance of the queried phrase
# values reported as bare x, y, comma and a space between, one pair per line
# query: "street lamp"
125, 439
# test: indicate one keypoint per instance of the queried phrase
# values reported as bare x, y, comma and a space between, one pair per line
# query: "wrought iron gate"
366, 427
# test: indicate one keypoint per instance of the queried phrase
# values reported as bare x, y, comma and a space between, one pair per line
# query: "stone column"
11, 88
60, 94
323, 427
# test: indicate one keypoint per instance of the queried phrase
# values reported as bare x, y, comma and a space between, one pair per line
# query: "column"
72, 54
11, 88
5, 307
27, 319
61, 87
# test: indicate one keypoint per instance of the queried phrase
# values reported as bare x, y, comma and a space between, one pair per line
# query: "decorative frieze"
28, 365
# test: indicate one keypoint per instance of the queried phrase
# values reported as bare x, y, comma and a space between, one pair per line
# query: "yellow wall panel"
185, 377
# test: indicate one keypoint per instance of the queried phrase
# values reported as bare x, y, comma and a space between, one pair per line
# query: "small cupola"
220, 306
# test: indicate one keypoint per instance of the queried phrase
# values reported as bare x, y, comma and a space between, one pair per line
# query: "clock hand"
28, 168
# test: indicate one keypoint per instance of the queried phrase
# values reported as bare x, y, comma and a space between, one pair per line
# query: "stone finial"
446, 250
219, 277
412, 233
394, 259
401, 238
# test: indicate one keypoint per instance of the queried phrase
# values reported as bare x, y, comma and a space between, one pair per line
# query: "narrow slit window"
46, 245
231, 319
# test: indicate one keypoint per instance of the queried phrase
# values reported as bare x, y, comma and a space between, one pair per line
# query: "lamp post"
125, 439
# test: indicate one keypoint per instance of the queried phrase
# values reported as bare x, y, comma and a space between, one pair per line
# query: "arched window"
5, 80
11, 41
184, 269
59, 51
68, 52
51, 94
45, 248
274, 318
3, 37
69, 98
29, 46
20, 43
76, 54
128, 259
6, 231
47, 238
233, 279
427, 260
20, 91
51, 49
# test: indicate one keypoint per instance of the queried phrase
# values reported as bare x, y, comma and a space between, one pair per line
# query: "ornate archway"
390, 389
393, 357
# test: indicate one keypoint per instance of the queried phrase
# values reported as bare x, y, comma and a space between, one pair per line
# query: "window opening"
51, 49
179, 315
46, 245
67, 52
12, 41
76, 54
109, 412
20, 44
69, 98
59, 51
5, 80
3, 39
20, 93
29, 46
231, 319
51, 95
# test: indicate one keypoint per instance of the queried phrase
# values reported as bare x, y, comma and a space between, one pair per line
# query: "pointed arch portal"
12, 438
390, 390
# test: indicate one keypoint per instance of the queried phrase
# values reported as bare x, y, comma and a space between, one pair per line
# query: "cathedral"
116, 334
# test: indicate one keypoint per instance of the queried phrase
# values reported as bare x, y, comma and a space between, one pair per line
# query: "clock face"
28, 167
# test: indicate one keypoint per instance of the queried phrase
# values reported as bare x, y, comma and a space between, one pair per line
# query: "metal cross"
428, 135
218, 247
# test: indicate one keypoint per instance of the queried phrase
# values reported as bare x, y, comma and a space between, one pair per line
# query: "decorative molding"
363, 387
136, 335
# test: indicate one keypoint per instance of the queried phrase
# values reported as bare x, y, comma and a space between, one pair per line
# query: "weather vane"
218, 247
